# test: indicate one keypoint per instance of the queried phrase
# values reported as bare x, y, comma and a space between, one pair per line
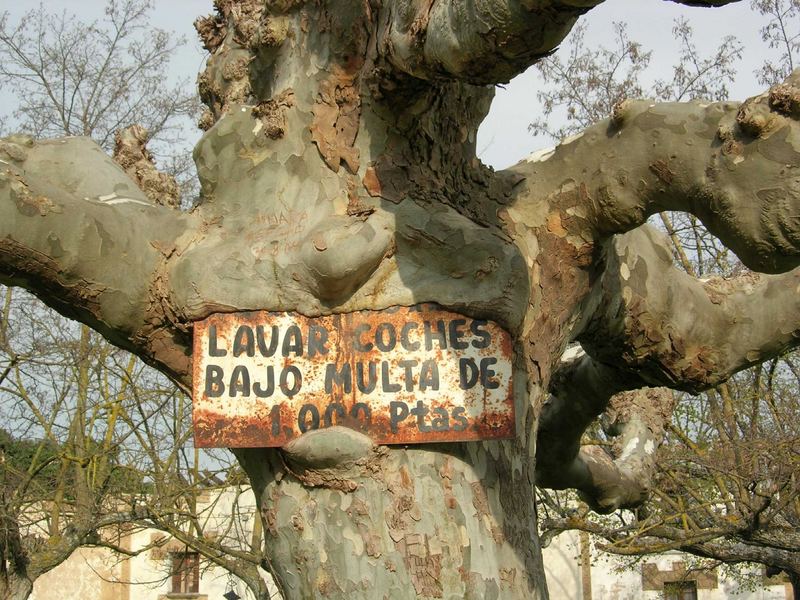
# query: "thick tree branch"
655, 325
652, 324
76, 231
481, 41
732, 165
581, 390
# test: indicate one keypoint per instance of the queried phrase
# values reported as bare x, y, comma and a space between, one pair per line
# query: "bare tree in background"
70, 77
95, 446
782, 34
69, 471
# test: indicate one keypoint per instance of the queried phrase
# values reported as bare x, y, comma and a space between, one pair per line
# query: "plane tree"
338, 173
723, 484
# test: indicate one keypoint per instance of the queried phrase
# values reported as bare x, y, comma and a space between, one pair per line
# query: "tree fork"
338, 174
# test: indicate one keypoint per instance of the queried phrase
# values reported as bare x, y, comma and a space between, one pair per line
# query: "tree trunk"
451, 521
14, 587
794, 580
412, 215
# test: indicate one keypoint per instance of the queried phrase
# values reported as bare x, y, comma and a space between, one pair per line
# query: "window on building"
680, 590
185, 573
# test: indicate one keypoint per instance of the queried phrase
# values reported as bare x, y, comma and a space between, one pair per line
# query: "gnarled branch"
729, 164
655, 325
481, 41
76, 231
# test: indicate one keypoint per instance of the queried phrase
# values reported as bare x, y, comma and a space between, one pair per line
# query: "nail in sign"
403, 375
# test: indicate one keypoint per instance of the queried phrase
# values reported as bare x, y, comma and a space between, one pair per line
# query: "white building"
167, 570
575, 572
163, 568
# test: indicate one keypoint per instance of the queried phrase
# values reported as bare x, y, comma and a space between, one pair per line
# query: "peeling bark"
433, 522
131, 153
393, 93
733, 174
656, 325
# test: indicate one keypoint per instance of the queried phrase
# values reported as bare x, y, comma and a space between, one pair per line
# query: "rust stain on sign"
401, 375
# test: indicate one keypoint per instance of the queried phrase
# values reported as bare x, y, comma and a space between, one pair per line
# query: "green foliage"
24, 457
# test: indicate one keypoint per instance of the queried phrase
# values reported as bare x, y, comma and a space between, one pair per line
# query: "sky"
504, 138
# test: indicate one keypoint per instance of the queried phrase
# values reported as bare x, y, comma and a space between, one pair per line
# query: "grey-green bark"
338, 173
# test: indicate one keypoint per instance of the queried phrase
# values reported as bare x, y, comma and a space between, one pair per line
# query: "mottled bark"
339, 173
655, 325
607, 479
345, 519
482, 41
76, 231
131, 153
727, 163
652, 324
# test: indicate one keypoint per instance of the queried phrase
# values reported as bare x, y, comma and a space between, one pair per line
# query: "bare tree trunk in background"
338, 174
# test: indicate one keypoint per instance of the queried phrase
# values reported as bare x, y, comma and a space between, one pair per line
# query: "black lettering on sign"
405, 341
387, 385
467, 373
439, 334
275, 417
366, 387
429, 375
358, 409
244, 342
212, 343
292, 341
265, 350
343, 378
297, 380
409, 375
398, 411
487, 374
442, 420
484, 337
334, 407
261, 392
420, 411
272, 361
461, 421
385, 337
215, 387
302, 418
240, 382
456, 334
317, 338
357, 343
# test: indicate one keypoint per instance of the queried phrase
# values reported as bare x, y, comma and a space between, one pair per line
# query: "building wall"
564, 577
100, 574
89, 573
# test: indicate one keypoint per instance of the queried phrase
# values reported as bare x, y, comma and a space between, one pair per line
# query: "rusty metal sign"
402, 375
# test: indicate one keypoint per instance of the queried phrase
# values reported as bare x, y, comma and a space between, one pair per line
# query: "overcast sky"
504, 137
